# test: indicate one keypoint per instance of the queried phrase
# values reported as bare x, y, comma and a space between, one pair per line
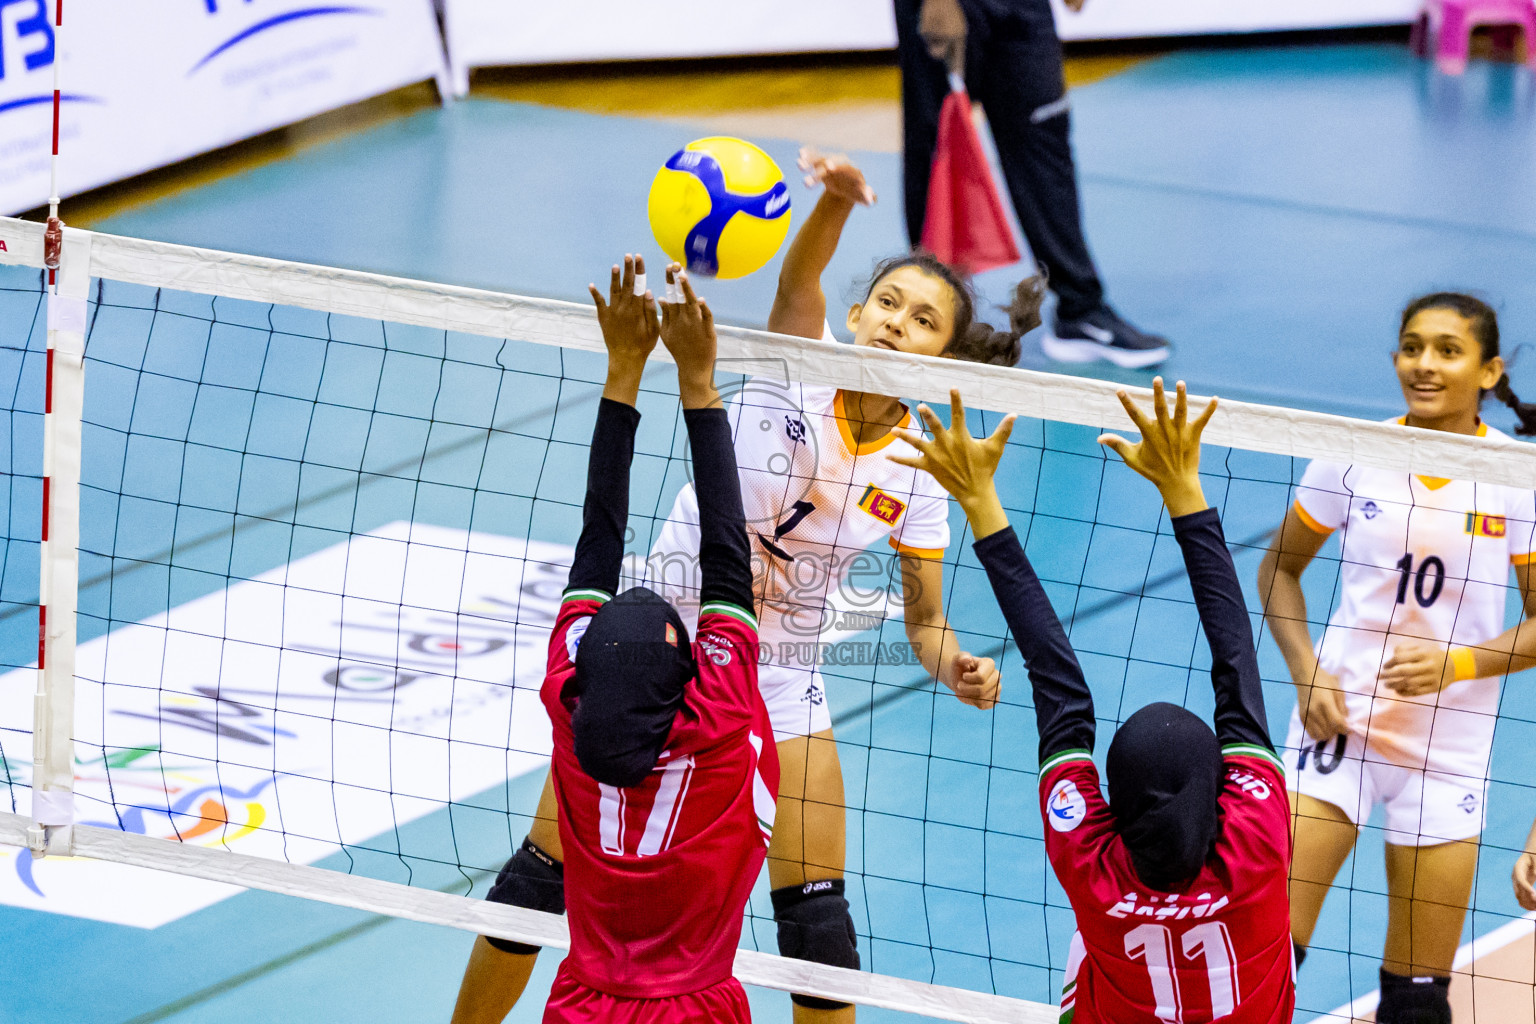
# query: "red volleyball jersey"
1218, 950
657, 875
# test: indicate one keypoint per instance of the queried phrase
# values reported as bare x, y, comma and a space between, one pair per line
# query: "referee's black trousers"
1013, 69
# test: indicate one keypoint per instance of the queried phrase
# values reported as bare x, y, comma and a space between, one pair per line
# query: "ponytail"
981, 343
974, 340
1525, 411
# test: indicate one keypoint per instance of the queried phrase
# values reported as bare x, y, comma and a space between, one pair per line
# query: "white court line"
1484, 945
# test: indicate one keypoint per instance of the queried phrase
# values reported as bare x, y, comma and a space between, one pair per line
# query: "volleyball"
720, 207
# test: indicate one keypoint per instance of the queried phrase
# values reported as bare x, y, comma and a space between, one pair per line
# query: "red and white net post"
66, 254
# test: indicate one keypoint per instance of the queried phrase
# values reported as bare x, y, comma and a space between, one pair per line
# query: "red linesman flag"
965, 224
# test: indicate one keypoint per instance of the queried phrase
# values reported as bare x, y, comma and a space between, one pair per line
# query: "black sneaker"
1102, 334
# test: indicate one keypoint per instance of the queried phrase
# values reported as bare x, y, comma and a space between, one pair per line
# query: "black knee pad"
532, 879
1424, 1000
814, 925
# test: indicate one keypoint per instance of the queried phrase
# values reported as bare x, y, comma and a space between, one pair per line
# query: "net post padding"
433, 907
53, 776
1030, 393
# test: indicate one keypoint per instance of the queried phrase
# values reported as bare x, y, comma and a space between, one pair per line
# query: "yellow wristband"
1464, 661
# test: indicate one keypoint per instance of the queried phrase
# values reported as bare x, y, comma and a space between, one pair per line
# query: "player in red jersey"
664, 764
1178, 880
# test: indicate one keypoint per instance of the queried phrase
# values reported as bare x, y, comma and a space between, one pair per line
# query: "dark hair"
974, 340
1484, 323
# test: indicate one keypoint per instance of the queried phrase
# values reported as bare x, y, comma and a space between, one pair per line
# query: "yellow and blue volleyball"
720, 207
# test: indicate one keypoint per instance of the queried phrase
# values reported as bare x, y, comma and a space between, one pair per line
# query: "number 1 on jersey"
1209, 941
800, 510
1154, 944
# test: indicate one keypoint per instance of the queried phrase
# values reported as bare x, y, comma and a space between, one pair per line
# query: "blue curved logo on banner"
47, 97
281, 19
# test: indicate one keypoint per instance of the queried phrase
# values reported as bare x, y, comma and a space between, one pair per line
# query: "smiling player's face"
908, 310
1441, 369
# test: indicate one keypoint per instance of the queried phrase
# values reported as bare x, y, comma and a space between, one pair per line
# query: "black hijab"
632, 665
1164, 771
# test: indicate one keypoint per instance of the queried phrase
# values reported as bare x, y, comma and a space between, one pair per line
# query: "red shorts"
571, 1002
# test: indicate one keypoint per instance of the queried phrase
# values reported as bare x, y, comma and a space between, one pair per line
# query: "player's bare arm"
963, 466
1319, 698
975, 681
1417, 667
800, 305
1525, 874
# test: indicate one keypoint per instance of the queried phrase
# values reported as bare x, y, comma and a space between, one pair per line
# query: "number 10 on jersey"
1428, 581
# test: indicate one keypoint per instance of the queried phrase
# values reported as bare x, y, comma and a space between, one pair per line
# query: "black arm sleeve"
725, 560
1224, 615
1063, 704
600, 551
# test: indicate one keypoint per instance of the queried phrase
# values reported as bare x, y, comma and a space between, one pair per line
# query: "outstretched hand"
1168, 453
837, 175
688, 331
962, 465
630, 328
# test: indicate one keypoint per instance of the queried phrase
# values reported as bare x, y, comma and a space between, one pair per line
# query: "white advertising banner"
148, 82
483, 33
1122, 19
328, 701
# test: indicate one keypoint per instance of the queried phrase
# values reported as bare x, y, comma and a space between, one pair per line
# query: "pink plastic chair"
1449, 23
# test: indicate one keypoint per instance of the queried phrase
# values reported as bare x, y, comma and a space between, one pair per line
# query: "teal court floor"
1269, 209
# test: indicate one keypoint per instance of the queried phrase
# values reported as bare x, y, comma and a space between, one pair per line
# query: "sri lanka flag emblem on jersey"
1480, 525
881, 505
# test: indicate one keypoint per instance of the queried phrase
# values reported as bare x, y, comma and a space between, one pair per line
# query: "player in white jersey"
819, 492
818, 496
1396, 703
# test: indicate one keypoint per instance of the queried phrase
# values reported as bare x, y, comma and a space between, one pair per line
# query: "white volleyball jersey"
815, 500
1422, 558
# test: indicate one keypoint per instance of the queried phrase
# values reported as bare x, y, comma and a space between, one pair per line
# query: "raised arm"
1169, 456
800, 306
964, 467
1417, 667
725, 565
630, 328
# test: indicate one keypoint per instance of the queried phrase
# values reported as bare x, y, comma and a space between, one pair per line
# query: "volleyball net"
293, 629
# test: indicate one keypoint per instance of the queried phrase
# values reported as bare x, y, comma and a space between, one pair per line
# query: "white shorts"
796, 698
1424, 808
